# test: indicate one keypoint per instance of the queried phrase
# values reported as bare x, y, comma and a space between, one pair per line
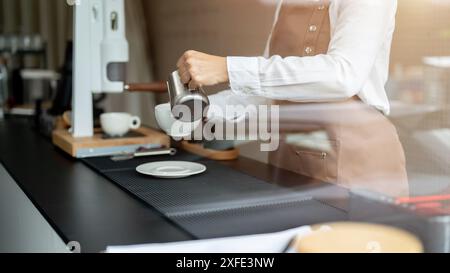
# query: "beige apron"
359, 147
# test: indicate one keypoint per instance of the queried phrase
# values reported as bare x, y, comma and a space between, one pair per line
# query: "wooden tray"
218, 155
97, 144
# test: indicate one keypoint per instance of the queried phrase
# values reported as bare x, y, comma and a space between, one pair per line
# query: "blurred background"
34, 37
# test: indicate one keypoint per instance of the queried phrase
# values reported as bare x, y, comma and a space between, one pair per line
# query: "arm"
361, 28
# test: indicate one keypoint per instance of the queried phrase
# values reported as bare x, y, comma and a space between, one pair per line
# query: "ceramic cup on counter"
119, 124
172, 126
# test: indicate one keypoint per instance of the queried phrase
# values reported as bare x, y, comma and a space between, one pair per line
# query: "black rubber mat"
246, 220
219, 202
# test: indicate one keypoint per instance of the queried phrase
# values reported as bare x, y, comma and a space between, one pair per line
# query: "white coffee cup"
172, 126
119, 124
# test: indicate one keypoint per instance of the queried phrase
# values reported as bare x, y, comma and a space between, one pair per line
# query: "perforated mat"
219, 202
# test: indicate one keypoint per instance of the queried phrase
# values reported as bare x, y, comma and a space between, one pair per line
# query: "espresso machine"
100, 57
101, 53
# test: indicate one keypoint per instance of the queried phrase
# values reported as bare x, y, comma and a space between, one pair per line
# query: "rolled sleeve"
243, 73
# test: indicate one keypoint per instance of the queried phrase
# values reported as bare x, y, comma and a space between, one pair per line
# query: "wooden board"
217, 155
64, 140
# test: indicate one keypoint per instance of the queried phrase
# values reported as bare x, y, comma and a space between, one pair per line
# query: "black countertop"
80, 204
83, 206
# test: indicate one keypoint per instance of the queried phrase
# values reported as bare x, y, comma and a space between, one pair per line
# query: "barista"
326, 64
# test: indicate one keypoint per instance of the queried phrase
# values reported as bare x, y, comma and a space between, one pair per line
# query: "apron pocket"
318, 164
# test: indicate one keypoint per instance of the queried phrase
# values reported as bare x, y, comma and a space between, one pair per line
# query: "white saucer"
171, 169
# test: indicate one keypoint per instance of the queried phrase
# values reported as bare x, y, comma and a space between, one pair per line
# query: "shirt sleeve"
361, 29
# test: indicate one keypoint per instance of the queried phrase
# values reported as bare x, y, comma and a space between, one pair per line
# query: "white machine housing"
100, 55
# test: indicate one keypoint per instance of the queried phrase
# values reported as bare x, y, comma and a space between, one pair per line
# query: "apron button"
312, 28
309, 50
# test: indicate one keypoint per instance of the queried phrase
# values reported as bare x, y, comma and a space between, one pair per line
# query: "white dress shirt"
357, 61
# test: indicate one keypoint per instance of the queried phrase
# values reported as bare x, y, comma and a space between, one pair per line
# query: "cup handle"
135, 123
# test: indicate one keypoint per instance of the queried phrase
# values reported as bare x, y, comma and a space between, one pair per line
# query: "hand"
198, 69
